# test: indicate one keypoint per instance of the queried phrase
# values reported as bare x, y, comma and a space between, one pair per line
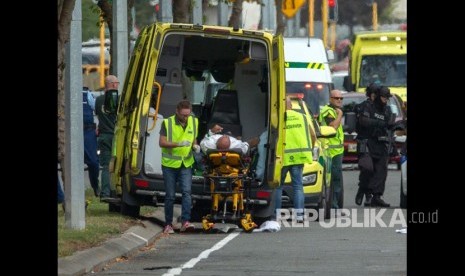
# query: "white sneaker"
187, 226
168, 229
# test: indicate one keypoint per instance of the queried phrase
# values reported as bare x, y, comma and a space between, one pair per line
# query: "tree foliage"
90, 20
145, 13
359, 12
106, 6
353, 12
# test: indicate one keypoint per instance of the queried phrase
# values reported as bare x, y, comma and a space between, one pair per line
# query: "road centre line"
204, 255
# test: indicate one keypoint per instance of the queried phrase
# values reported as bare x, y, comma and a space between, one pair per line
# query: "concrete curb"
129, 244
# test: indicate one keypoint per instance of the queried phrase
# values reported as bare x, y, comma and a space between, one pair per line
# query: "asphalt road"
363, 243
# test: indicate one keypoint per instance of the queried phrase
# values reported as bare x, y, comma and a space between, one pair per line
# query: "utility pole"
268, 15
166, 8
102, 52
197, 12
74, 135
333, 17
311, 18
333, 35
324, 21
297, 23
222, 13
374, 7
120, 38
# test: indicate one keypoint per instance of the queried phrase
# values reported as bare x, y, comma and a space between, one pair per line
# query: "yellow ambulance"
232, 77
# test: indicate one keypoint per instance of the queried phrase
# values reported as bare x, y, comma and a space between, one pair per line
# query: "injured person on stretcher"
227, 178
214, 139
254, 147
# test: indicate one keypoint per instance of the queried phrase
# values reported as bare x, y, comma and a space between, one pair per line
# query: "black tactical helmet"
371, 88
384, 91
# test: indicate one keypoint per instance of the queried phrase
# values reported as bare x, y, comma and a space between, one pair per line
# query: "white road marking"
192, 262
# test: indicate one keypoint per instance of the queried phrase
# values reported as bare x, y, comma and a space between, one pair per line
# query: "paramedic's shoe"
168, 229
187, 227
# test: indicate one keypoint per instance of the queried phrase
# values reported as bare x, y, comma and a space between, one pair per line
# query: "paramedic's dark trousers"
105, 143
91, 157
336, 180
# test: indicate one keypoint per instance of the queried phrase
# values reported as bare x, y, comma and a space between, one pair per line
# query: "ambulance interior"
226, 80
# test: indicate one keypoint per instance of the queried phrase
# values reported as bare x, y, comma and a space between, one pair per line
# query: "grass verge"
100, 226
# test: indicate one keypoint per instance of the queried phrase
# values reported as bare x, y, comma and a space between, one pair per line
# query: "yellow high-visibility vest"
336, 144
298, 147
175, 157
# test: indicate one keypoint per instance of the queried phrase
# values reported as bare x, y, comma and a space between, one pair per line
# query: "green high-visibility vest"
336, 144
298, 147
175, 157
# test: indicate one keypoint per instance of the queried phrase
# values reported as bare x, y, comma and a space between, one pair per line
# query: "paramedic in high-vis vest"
178, 135
331, 115
297, 151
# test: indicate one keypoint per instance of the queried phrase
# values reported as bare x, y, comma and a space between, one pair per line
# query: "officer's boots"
359, 197
378, 201
368, 199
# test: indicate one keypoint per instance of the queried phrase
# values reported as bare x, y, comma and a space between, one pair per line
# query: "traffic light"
332, 10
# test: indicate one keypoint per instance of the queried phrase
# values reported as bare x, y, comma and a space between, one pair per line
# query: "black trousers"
374, 181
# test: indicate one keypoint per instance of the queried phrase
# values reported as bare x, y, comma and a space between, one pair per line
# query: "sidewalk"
130, 242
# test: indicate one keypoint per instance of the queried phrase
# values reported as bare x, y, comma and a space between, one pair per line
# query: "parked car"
351, 99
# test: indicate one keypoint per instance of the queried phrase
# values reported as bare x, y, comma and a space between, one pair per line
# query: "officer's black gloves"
381, 123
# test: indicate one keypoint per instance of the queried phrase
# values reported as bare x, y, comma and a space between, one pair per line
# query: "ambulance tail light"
263, 194
141, 183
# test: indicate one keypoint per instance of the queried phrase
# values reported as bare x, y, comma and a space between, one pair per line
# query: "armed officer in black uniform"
373, 142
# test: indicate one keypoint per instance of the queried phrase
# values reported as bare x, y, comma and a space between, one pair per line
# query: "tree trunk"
279, 18
181, 10
235, 15
65, 13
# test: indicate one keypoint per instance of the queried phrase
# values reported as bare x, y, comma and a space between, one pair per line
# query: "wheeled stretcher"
226, 177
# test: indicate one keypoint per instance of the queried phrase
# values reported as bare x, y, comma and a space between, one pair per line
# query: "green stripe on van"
308, 65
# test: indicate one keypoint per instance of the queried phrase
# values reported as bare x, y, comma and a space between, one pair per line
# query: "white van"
307, 70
